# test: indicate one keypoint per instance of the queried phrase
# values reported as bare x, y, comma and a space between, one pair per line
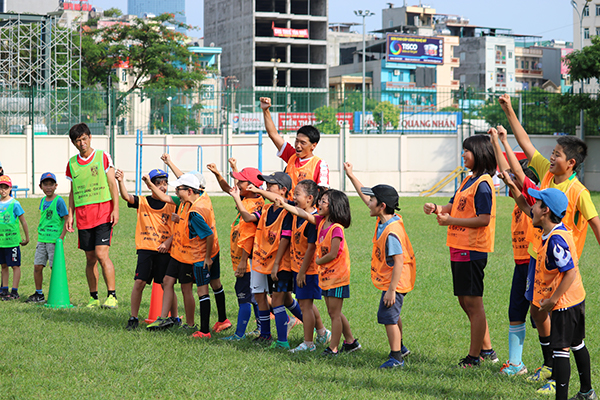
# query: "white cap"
200, 177
188, 179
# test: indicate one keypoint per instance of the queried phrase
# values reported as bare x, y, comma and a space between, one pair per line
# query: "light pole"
581, 115
169, 100
363, 14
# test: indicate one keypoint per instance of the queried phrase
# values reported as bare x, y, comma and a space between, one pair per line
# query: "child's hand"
212, 167
24, 242
389, 299
208, 261
235, 192
166, 158
146, 179
240, 271
252, 188
175, 217
274, 272
265, 103
232, 163
501, 133
163, 248
119, 175
348, 168
70, 223
493, 134
279, 202
505, 103
505, 176
546, 305
301, 279
429, 208
442, 219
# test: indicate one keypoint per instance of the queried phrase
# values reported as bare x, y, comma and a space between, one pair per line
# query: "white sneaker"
303, 347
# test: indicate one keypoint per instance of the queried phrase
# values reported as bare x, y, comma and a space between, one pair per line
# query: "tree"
585, 63
391, 113
327, 120
353, 102
113, 13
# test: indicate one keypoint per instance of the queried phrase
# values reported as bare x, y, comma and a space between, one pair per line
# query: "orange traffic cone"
155, 303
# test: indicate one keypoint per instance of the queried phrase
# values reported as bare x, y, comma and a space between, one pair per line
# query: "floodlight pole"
363, 14
169, 100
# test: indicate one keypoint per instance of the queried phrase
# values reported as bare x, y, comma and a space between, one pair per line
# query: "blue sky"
552, 19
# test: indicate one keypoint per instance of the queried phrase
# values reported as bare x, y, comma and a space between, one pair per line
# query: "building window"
586, 11
510, 54
586, 33
597, 31
208, 92
597, 9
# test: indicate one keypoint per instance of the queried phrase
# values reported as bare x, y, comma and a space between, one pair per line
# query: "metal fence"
208, 111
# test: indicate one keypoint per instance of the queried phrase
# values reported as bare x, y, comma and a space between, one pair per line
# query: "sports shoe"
488, 356
255, 332
263, 340
176, 321
391, 363
350, 347
11, 296
469, 361
328, 353
324, 338
36, 298
404, 351
540, 374
187, 328
234, 338
303, 347
132, 324
513, 370
591, 395
280, 345
160, 324
221, 326
201, 335
549, 388
111, 302
93, 303
292, 322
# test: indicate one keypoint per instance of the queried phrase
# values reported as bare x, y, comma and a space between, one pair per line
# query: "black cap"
281, 178
384, 193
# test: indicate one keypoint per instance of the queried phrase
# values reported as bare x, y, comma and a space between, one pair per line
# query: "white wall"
411, 163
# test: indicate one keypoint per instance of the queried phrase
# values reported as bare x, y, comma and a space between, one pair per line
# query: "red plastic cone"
58, 294
155, 303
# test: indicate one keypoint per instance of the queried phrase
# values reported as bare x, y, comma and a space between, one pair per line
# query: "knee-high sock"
220, 300
281, 320
546, 350
295, 310
561, 373
243, 318
204, 314
516, 337
256, 315
582, 359
265, 322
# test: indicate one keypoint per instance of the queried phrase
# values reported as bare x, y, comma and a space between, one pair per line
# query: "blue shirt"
558, 254
61, 207
198, 226
310, 232
17, 210
392, 244
273, 214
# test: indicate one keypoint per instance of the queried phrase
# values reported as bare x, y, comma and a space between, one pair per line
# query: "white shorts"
44, 254
259, 283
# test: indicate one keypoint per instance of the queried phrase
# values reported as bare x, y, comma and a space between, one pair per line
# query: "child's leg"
318, 320
204, 304
281, 318
348, 337
293, 306
168, 286
307, 307
394, 337
16, 277
480, 336
561, 373
91, 271
517, 312
245, 298
5, 276
108, 269
334, 308
38, 276
264, 314
582, 359
136, 296
188, 303
543, 324
217, 287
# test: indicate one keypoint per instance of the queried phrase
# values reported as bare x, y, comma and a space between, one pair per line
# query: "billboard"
414, 49
287, 32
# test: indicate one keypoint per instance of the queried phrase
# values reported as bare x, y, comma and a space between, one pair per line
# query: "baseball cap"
158, 173
248, 174
280, 178
383, 193
5, 180
48, 175
188, 179
555, 200
201, 178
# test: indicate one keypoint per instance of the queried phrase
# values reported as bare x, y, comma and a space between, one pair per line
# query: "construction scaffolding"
40, 58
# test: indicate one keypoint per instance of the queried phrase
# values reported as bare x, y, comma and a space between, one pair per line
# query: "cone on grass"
155, 303
58, 294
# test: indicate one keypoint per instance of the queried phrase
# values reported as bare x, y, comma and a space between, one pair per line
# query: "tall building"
590, 26
270, 45
157, 7
29, 6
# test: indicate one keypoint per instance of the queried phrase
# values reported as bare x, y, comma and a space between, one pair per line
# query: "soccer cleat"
36, 298
255, 332
160, 324
469, 361
404, 351
591, 395
188, 328
234, 338
489, 355
292, 322
263, 340
549, 388
540, 374
11, 296
350, 347
280, 345
176, 321
221, 326
324, 338
111, 302
391, 363
201, 335
513, 370
303, 347
132, 324
328, 353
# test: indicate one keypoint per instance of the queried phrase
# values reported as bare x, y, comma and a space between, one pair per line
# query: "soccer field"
81, 353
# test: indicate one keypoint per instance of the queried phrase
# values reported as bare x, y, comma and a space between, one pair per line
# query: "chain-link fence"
209, 111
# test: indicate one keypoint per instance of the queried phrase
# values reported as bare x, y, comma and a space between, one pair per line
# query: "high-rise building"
157, 7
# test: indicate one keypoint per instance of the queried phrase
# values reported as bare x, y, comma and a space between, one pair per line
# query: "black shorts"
243, 290
467, 277
284, 283
568, 327
151, 266
10, 256
97, 236
184, 273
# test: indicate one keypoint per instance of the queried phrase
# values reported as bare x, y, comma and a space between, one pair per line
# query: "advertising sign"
430, 122
564, 68
288, 32
414, 49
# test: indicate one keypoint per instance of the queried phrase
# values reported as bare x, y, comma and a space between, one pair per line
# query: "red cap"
5, 180
248, 174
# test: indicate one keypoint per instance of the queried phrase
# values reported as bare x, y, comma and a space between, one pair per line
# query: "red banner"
294, 121
288, 32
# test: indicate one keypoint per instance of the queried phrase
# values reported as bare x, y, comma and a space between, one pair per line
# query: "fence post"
32, 125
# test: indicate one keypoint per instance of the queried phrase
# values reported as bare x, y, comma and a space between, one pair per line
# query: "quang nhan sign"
414, 49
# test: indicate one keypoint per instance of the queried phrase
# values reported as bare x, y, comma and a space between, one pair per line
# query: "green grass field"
81, 353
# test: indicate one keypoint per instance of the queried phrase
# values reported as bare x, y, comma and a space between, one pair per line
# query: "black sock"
397, 355
112, 292
561, 373
582, 359
220, 300
546, 350
94, 295
204, 313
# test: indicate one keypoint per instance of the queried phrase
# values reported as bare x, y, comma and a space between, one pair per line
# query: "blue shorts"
310, 290
242, 289
215, 269
284, 282
201, 273
390, 315
10, 256
530, 279
519, 305
342, 292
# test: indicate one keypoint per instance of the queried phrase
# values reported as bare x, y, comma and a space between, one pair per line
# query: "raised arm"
502, 163
166, 158
246, 216
280, 202
120, 177
265, 104
516, 193
156, 191
517, 128
355, 182
272, 197
222, 182
514, 163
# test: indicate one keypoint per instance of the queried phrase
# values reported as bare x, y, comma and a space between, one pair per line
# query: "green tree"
113, 13
327, 120
353, 102
391, 113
